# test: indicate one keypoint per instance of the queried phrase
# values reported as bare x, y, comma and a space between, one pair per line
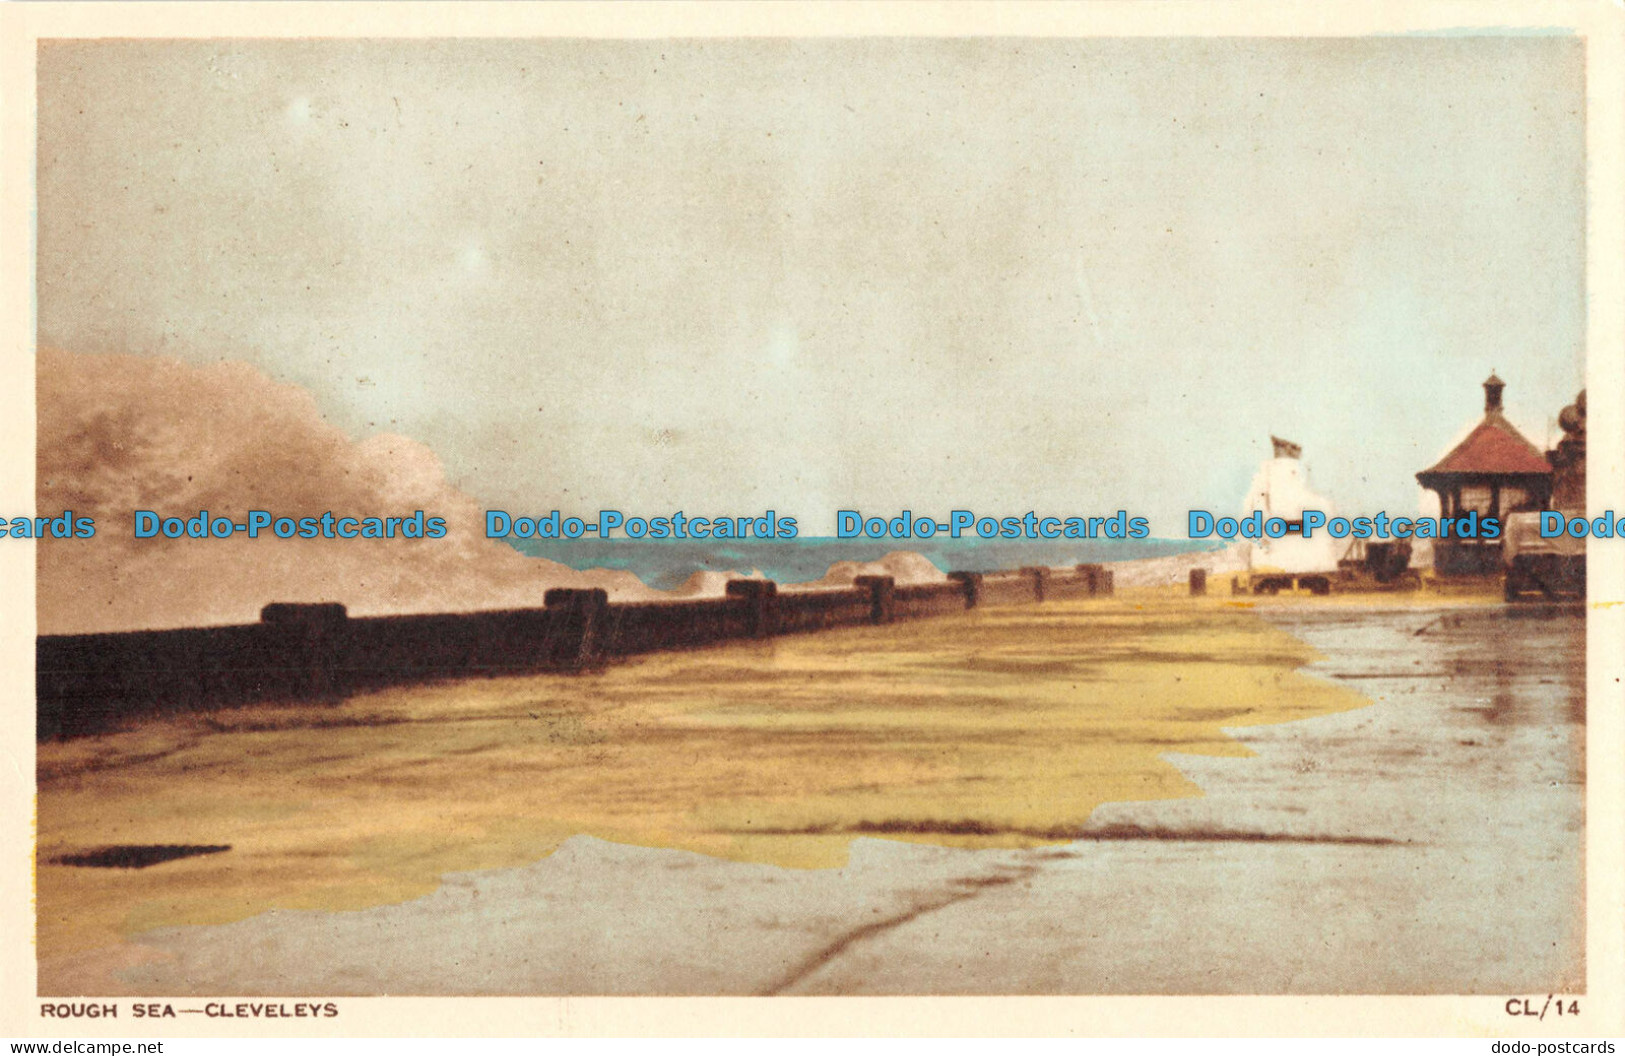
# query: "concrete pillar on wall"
1198, 582
971, 583
882, 596
311, 642
575, 635
762, 595
1040, 578
1091, 577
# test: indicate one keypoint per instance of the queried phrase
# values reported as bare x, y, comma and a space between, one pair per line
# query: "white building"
1281, 489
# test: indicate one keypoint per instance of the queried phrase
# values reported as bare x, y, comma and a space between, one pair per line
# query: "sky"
723, 276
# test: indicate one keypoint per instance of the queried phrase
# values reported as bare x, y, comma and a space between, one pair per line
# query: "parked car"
1548, 567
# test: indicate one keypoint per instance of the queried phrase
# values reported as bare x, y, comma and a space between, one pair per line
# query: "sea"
664, 564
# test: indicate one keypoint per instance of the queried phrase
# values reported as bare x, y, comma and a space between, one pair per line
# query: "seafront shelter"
1493, 472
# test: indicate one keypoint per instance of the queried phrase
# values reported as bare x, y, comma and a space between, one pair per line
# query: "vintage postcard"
1099, 518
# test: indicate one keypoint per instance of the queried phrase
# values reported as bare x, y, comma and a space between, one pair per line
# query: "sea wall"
90, 683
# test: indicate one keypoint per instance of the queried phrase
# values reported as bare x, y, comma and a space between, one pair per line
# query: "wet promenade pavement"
1429, 843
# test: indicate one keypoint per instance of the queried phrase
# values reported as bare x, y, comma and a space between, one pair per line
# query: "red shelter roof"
1493, 448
